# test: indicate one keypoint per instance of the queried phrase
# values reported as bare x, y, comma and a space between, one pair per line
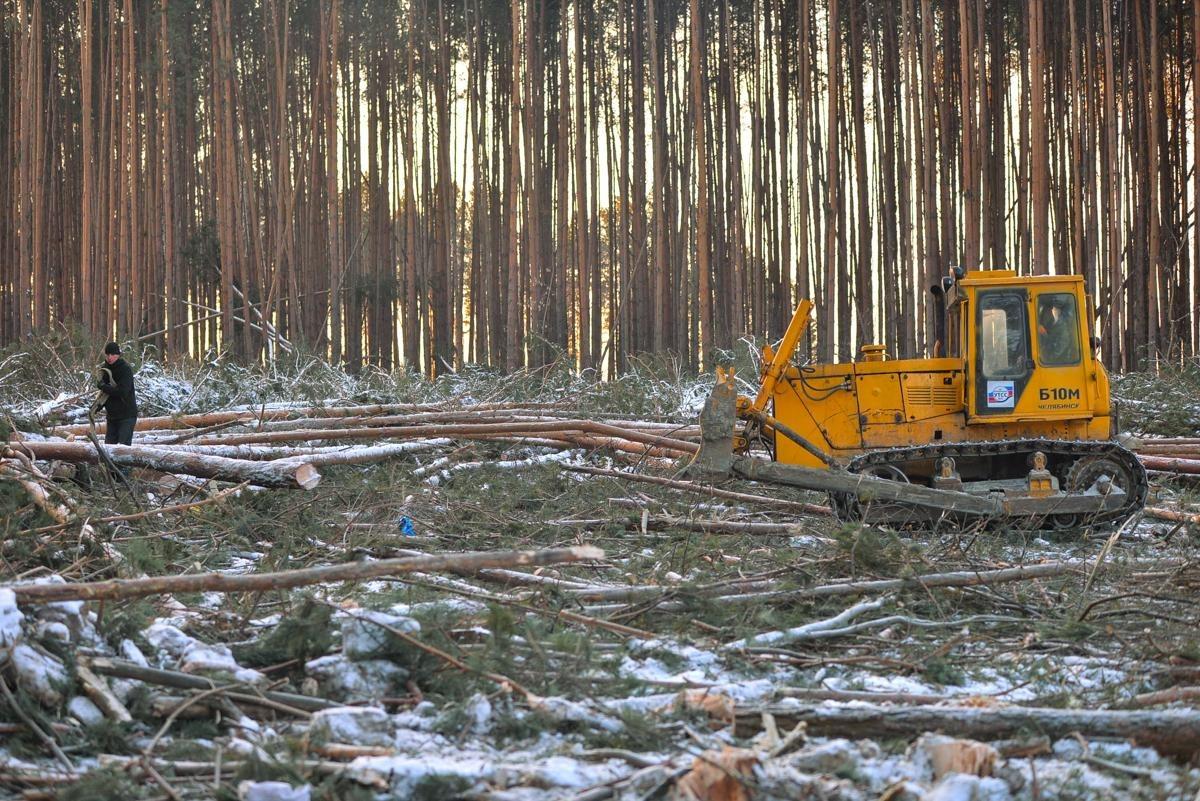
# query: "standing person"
120, 405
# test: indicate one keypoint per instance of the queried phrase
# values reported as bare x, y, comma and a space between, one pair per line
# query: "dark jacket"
122, 402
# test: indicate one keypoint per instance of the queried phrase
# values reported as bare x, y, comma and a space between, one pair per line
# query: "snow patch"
406, 773
130, 652
359, 680
195, 656
960, 787
273, 791
356, 725
83, 710
10, 619
364, 635
40, 675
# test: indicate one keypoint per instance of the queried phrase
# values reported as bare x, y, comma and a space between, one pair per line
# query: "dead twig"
179, 507
178, 710
503, 682
20, 712
1091, 759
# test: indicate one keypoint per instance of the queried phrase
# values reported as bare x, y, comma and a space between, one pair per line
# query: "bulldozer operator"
1058, 331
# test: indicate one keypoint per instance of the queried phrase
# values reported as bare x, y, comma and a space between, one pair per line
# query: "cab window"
953, 330
1003, 340
1057, 329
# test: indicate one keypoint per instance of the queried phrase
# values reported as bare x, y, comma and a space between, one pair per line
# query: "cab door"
1000, 355
1059, 387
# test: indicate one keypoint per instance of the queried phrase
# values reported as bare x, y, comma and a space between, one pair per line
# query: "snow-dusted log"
119, 668
461, 430
703, 489
282, 473
285, 411
261, 582
318, 456
442, 473
1171, 731
1182, 451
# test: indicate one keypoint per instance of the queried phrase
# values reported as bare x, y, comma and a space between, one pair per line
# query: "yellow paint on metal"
1005, 382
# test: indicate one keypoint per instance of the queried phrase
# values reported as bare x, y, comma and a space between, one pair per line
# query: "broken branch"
355, 571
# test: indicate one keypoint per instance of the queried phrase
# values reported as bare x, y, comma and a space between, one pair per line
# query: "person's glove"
106, 387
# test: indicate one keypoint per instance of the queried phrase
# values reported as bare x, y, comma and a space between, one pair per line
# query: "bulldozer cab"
1026, 348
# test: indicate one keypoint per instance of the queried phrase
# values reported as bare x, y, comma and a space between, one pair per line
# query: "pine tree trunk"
1039, 137
700, 139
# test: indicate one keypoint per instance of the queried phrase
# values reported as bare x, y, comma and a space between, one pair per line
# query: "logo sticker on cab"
1001, 394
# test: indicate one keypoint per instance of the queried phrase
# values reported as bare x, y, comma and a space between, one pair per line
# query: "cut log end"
587, 552
307, 476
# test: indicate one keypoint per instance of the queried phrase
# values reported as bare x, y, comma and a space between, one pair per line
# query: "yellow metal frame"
845, 409
780, 359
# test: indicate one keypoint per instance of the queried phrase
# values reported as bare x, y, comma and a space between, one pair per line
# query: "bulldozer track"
1073, 461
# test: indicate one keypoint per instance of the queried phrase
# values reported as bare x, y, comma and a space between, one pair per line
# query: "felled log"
1172, 731
121, 669
317, 456
287, 579
1172, 514
1170, 465
291, 474
461, 430
98, 690
1170, 695
284, 411
821, 694
1184, 451
703, 489
458, 417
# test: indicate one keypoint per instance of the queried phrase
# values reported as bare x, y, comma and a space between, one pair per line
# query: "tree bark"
1171, 731
700, 138
287, 474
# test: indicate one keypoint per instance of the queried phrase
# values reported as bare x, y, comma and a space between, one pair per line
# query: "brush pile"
500, 588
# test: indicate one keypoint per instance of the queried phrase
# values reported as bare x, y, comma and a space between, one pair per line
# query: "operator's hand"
105, 387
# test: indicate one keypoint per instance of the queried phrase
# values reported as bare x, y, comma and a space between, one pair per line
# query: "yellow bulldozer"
1011, 418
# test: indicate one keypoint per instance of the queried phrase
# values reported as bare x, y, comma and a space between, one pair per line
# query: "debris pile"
521, 599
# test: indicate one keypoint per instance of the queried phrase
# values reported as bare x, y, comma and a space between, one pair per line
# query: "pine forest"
442, 182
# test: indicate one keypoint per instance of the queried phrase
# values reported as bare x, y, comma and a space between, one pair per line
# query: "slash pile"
518, 598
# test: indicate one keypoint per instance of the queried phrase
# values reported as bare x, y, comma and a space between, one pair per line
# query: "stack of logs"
1171, 455
284, 447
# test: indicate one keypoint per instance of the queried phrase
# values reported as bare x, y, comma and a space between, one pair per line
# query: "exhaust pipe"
939, 319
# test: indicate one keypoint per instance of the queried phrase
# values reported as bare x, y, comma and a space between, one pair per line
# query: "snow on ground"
639, 711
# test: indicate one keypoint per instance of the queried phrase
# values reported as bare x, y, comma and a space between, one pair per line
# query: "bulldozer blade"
717, 423
866, 488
